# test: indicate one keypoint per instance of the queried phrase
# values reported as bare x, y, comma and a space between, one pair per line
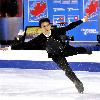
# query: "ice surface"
38, 84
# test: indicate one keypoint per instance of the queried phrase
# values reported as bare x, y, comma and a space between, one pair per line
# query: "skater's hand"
86, 17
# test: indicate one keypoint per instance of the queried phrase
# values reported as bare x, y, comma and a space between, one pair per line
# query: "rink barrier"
38, 59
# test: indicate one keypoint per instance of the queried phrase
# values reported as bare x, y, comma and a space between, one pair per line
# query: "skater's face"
46, 27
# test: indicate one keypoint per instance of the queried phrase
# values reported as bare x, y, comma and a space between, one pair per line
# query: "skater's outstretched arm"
74, 24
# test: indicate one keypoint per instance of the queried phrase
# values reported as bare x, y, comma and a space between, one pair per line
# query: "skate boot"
79, 86
88, 51
82, 50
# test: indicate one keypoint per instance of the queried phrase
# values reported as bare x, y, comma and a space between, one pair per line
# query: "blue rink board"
49, 65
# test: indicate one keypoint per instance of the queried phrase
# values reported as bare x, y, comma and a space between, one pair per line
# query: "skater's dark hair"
44, 20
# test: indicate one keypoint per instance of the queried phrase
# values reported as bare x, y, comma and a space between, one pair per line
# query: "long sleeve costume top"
54, 44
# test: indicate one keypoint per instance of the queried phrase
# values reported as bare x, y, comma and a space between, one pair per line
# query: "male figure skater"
54, 42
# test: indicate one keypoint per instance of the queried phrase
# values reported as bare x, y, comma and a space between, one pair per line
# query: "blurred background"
16, 15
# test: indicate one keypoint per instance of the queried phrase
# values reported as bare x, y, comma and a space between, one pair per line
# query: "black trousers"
63, 64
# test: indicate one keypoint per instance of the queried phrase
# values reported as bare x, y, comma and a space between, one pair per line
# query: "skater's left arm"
74, 24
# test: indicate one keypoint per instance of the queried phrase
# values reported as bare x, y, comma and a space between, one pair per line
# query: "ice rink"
33, 84
38, 84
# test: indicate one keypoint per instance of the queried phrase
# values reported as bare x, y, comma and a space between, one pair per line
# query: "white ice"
38, 84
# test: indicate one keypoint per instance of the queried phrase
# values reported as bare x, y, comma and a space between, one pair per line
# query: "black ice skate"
79, 86
88, 51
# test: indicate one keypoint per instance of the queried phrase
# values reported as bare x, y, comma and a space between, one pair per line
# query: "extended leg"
82, 50
63, 64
